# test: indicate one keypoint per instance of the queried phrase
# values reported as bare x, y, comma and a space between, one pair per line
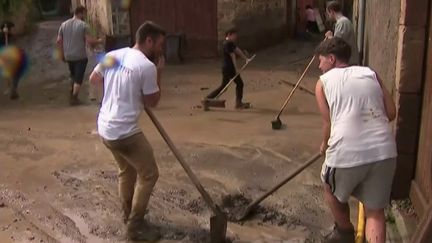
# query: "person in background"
72, 38
230, 69
343, 29
311, 25
13, 60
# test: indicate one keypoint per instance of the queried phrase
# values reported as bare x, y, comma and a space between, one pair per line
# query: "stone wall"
261, 22
395, 47
99, 14
381, 38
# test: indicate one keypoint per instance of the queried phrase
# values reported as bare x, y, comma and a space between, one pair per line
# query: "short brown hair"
336, 46
334, 6
230, 31
79, 10
148, 29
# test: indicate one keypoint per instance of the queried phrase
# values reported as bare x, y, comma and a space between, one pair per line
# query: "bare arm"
388, 101
325, 114
96, 79
152, 100
92, 41
240, 53
59, 43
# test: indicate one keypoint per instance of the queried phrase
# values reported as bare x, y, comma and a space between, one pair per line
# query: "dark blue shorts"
77, 70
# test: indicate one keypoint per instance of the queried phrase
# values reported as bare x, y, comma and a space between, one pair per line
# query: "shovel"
221, 103
218, 221
277, 123
253, 204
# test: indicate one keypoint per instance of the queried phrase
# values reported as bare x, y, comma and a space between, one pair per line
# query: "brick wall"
261, 22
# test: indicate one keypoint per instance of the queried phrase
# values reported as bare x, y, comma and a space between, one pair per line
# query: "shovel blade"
244, 214
215, 103
276, 124
218, 228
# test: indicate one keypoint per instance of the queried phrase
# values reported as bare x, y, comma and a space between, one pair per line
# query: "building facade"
261, 22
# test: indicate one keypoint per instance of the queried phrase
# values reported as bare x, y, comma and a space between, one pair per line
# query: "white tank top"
360, 129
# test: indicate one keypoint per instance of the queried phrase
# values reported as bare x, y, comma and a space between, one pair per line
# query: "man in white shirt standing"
343, 29
131, 81
358, 143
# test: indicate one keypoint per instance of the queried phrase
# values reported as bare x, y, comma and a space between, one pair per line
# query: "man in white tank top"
358, 142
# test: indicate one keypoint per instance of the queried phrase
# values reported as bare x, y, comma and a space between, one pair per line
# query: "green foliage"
9, 7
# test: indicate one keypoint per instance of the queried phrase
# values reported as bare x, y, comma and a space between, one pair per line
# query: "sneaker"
141, 231
242, 105
340, 236
205, 104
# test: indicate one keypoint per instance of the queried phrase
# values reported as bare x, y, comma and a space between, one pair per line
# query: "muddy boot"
340, 236
74, 101
241, 105
205, 104
139, 230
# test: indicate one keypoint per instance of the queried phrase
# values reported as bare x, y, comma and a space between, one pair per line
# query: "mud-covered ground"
58, 182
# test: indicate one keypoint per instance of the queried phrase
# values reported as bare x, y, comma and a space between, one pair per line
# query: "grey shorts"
371, 184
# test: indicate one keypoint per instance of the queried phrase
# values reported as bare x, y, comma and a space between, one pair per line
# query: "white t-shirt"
360, 129
125, 83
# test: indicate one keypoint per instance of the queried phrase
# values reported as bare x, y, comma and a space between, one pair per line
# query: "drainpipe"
361, 29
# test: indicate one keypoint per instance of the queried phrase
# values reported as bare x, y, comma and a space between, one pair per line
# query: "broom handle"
232, 80
296, 86
290, 176
183, 163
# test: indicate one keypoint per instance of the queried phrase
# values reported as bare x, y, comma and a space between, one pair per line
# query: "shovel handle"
232, 80
183, 163
296, 86
283, 182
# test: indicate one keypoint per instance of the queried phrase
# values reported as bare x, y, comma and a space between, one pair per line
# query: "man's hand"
160, 62
323, 148
329, 34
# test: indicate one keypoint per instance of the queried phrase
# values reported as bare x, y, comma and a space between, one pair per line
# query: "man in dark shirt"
13, 60
229, 68
5, 29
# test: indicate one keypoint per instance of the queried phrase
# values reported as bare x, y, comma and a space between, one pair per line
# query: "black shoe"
14, 95
205, 104
138, 230
74, 101
241, 105
340, 236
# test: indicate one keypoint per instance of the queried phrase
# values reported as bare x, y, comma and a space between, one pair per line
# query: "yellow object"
361, 223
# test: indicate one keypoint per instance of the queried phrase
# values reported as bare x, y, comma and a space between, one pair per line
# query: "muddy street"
58, 181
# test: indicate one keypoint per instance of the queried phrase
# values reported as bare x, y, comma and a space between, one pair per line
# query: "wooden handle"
232, 80
183, 163
290, 176
295, 87
301, 87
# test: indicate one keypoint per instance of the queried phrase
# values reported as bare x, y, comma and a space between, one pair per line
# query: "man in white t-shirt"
358, 142
343, 29
131, 81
